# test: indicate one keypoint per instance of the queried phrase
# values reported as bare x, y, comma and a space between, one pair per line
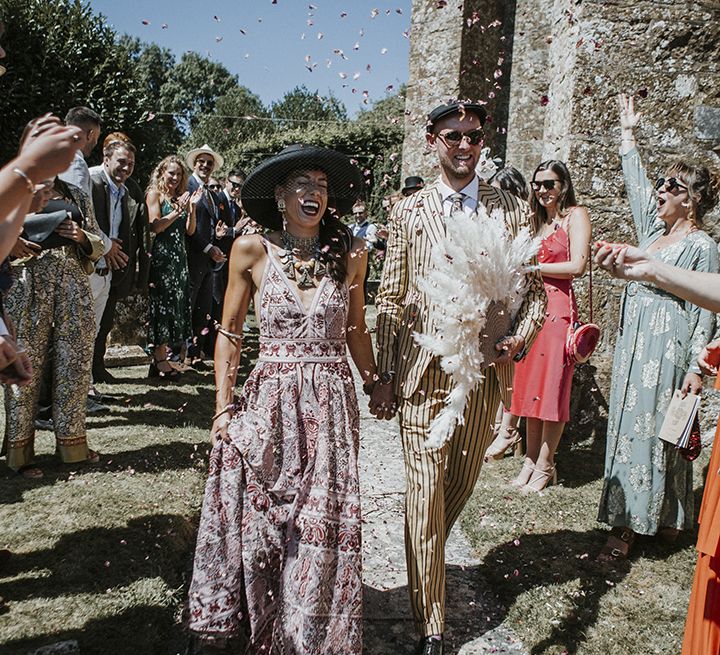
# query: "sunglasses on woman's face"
454, 137
543, 184
670, 184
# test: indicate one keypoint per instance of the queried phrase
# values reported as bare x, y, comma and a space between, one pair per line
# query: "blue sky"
352, 46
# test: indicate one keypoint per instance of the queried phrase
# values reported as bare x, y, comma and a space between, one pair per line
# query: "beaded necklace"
300, 259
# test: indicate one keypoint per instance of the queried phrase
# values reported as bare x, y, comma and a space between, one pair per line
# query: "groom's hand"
509, 347
383, 404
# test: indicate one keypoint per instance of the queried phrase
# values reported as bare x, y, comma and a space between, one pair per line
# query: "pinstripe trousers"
439, 483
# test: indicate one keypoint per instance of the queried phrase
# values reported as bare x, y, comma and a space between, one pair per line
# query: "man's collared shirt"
470, 200
116, 196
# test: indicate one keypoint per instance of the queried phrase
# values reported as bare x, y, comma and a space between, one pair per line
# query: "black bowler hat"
258, 192
455, 108
412, 184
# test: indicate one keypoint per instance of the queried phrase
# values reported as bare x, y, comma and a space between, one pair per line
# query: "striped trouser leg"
439, 482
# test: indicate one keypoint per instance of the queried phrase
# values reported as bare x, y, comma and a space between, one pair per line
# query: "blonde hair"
157, 179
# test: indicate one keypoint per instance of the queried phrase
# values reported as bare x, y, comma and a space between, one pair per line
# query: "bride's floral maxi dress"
278, 556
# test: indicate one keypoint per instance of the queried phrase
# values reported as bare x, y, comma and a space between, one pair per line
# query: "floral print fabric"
169, 285
648, 485
278, 558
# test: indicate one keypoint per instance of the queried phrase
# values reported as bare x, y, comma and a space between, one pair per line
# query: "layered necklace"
300, 259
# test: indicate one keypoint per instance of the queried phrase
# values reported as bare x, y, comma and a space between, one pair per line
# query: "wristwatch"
386, 377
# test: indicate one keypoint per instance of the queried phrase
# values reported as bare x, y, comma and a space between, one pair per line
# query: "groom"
439, 481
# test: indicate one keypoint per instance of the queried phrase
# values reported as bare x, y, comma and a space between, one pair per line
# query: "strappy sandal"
540, 480
618, 546
30, 472
522, 479
506, 438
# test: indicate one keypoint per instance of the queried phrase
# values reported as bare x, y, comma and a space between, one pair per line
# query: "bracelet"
21, 173
228, 408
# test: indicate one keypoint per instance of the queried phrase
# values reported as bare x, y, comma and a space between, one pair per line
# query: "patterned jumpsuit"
51, 305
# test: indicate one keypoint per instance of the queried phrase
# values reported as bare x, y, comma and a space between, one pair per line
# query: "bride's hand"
219, 428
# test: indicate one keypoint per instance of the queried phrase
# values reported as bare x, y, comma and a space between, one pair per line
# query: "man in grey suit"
121, 215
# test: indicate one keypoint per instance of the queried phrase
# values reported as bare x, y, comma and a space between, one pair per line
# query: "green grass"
102, 553
538, 555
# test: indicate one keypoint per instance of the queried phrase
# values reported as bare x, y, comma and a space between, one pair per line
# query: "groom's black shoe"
430, 646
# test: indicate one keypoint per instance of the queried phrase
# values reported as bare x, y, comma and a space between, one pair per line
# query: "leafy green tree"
301, 105
60, 55
239, 117
193, 88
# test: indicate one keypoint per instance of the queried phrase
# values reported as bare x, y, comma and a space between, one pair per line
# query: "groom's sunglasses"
454, 137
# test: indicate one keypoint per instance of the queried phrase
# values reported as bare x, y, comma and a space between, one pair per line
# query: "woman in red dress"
541, 390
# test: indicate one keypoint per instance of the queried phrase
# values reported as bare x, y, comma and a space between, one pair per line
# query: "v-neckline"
655, 253
296, 296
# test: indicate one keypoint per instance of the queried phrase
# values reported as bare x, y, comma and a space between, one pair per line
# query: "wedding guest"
278, 556
702, 627
511, 180
648, 486
543, 380
50, 303
171, 213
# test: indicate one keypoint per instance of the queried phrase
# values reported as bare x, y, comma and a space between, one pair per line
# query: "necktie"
457, 203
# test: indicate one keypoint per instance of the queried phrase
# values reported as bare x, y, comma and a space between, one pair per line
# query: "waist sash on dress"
302, 350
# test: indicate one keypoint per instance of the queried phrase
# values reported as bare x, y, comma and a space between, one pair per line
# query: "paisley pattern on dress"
278, 557
648, 485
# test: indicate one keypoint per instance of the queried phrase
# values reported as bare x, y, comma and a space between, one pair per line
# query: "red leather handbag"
582, 338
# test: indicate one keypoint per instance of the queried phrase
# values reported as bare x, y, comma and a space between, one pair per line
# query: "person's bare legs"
544, 454
533, 437
507, 435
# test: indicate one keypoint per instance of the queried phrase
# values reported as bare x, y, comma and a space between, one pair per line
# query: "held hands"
509, 347
623, 261
709, 358
628, 118
383, 403
115, 257
70, 230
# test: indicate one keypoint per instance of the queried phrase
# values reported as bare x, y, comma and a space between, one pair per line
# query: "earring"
281, 205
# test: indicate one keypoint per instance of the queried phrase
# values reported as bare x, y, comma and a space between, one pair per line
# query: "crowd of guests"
278, 561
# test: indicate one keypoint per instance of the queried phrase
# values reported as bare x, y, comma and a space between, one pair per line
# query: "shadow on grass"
146, 630
153, 458
96, 559
554, 558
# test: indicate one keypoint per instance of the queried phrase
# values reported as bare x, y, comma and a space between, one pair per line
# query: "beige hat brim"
205, 150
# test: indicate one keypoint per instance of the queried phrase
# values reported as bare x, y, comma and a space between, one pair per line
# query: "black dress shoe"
430, 646
103, 375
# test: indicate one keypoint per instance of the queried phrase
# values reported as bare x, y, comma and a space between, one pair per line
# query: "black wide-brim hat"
455, 108
258, 191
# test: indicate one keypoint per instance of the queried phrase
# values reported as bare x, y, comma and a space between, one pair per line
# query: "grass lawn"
102, 553
538, 555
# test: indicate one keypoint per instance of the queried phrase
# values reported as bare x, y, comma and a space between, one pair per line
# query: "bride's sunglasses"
670, 184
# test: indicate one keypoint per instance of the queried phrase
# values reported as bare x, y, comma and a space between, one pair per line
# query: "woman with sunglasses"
541, 387
648, 486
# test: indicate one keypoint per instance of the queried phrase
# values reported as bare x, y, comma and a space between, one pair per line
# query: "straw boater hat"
258, 192
205, 150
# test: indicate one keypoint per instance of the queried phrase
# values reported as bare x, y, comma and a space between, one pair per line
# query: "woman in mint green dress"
171, 213
648, 485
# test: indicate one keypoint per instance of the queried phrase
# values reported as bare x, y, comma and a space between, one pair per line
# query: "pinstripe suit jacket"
416, 225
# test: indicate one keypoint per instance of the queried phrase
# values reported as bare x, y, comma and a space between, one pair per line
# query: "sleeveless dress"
541, 387
278, 556
169, 285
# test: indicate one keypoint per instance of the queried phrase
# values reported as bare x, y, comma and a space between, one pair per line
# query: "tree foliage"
193, 87
302, 105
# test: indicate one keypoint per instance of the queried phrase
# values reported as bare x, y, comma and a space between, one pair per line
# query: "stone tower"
550, 71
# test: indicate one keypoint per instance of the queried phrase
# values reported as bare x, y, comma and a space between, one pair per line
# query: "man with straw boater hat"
411, 381
204, 255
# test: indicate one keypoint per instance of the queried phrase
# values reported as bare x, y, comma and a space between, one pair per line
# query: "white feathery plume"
476, 263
